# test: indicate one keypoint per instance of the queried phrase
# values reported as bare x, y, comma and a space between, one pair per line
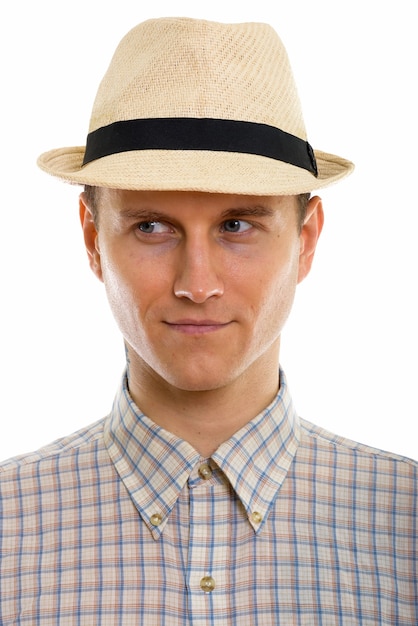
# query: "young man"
203, 498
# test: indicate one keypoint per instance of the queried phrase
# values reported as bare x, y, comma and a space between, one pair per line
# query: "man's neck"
205, 419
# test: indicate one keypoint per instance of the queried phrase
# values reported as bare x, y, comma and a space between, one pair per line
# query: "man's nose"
198, 275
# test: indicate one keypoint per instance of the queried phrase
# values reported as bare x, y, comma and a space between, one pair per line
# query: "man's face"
200, 284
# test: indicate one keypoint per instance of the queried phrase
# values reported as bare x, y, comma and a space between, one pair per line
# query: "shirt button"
207, 584
156, 519
205, 471
256, 517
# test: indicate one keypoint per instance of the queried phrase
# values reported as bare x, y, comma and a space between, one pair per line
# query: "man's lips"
196, 327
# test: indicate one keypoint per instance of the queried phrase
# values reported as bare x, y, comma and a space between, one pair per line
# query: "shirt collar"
154, 464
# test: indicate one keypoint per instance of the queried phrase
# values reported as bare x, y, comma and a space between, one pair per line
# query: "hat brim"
193, 170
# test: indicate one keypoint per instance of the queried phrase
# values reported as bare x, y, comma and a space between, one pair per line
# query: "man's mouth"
197, 326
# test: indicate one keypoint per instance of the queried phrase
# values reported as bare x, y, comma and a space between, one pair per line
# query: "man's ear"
309, 235
90, 237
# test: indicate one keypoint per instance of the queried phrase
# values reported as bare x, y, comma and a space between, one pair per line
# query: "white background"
350, 347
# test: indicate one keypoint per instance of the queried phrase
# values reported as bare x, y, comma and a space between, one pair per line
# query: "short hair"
92, 201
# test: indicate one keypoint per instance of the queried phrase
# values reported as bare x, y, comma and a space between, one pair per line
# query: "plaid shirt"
124, 524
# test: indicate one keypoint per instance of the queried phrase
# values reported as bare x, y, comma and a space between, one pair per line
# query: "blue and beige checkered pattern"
122, 524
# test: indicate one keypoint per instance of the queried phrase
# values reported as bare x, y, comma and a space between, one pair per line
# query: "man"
203, 498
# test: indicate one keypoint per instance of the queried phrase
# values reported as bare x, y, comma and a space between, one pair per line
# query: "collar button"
205, 471
156, 519
256, 517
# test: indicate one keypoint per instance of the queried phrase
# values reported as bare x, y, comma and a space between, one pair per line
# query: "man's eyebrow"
248, 211
142, 214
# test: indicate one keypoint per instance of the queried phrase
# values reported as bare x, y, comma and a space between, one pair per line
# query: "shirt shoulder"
60, 447
325, 439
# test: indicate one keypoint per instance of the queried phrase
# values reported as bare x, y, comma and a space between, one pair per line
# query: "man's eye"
235, 226
152, 228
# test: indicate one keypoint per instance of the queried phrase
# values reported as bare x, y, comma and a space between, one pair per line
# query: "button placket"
209, 532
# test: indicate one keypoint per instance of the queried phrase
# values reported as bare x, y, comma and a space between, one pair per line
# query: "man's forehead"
126, 198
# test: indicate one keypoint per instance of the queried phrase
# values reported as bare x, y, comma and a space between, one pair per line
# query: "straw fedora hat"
195, 105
